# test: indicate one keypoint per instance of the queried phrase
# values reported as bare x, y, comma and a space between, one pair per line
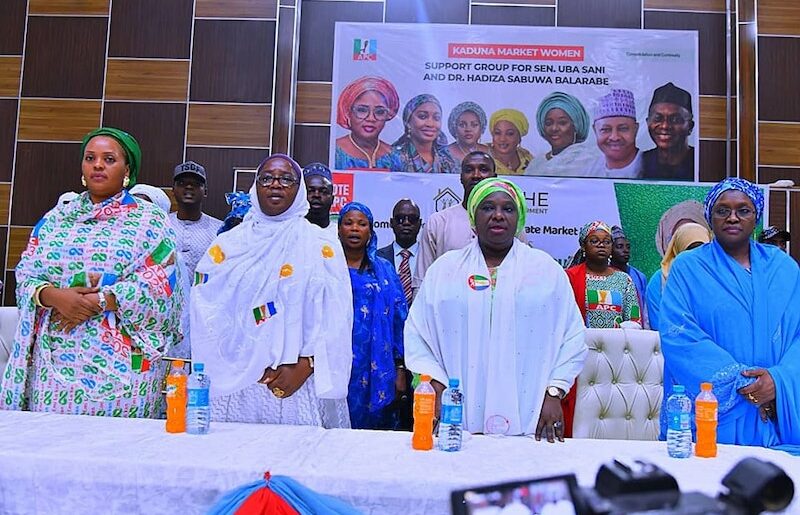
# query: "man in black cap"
194, 230
774, 236
670, 122
319, 191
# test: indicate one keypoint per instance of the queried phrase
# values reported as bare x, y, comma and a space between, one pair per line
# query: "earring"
126, 181
83, 181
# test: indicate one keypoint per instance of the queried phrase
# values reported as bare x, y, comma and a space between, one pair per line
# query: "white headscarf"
288, 273
156, 195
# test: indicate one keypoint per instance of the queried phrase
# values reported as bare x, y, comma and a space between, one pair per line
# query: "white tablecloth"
71, 464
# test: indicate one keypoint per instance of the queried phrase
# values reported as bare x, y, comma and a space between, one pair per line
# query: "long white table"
70, 464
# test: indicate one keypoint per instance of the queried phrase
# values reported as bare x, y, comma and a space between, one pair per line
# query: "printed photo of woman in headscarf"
508, 127
364, 107
423, 146
466, 123
563, 122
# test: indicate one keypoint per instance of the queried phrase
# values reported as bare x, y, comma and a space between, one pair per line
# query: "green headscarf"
491, 185
570, 105
133, 153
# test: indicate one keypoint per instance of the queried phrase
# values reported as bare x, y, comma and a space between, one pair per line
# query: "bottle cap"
678, 388
198, 367
425, 378
453, 382
706, 387
177, 364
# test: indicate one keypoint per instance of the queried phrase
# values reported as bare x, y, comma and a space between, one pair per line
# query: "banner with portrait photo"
543, 101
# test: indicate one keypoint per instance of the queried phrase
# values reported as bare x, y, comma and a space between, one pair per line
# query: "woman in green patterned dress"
99, 296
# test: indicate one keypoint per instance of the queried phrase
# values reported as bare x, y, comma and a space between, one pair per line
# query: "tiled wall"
190, 79
778, 104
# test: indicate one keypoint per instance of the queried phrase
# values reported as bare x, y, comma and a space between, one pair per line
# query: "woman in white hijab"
266, 311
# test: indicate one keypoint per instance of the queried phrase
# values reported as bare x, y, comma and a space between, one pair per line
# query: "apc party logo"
365, 49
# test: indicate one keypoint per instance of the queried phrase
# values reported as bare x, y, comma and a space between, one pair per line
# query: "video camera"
753, 486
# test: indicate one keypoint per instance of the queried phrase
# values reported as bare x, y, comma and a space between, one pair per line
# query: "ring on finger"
752, 398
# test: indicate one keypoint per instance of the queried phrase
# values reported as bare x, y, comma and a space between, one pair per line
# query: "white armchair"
8, 326
620, 388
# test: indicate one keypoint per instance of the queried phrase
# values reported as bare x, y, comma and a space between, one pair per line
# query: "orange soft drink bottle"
424, 407
705, 409
176, 398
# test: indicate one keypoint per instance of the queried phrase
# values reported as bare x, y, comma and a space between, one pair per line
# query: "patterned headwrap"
133, 152
734, 183
465, 107
360, 86
491, 185
240, 205
570, 105
409, 109
591, 227
617, 232
320, 170
512, 116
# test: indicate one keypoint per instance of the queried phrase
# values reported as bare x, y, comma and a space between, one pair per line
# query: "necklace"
507, 164
370, 158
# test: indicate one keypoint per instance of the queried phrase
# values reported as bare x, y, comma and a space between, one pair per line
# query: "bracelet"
37, 295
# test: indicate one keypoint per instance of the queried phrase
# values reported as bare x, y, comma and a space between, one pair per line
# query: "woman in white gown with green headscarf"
499, 316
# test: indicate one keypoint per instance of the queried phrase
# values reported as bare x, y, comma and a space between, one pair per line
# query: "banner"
649, 212
556, 102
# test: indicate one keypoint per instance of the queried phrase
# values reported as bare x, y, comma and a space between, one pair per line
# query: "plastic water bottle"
706, 409
450, 424
198, 414
679, 423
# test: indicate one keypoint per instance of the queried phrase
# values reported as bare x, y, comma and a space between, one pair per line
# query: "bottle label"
706, 411
451, 414
679, 421
424, 404
198, 397
172, 390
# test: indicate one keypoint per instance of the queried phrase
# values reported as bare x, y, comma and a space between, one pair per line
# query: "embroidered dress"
108, 365
377, 344
409, 160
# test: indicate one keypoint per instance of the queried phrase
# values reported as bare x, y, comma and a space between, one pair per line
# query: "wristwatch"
554, 391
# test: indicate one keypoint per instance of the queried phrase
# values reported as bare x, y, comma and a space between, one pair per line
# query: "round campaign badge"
478, 282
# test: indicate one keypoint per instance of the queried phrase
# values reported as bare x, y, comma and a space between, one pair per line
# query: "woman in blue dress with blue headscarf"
729, 317
379, 314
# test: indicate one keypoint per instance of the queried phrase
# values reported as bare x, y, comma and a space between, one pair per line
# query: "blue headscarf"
570, 105
372, 246
734, 183
240, 205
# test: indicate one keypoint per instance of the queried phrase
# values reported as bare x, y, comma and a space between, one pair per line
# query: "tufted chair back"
620, 388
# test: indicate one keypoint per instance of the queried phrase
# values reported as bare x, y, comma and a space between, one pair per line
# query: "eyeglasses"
412, 219
285, 181
673, 119
362, 112
595, 242
723, 212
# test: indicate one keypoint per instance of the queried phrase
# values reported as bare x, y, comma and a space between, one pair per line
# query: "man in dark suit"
402, 252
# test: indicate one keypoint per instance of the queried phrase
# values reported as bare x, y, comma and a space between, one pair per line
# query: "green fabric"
491, 185
133, 152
